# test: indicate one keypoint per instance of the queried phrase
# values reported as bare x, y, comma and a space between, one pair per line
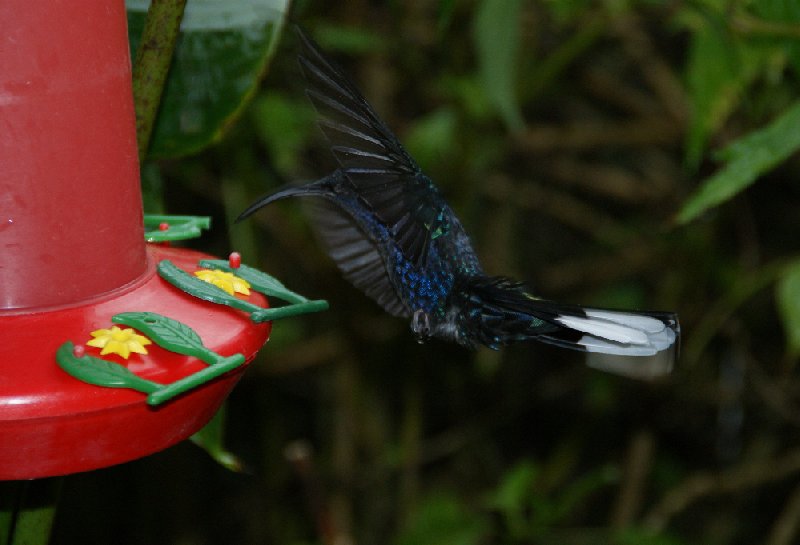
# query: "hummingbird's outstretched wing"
353, 244
382, 173
358, 254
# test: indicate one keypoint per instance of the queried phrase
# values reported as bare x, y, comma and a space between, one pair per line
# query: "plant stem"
27, 510
150, 68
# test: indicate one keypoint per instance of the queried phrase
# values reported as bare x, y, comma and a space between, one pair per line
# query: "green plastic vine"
166, 333
264, 284
159, 228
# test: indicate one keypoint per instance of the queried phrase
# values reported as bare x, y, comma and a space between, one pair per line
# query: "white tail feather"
621, 333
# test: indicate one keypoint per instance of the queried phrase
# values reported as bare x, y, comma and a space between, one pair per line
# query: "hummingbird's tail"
635, 344
626, 342
614, 332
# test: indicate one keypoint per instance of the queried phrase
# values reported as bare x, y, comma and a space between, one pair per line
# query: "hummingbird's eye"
421, 325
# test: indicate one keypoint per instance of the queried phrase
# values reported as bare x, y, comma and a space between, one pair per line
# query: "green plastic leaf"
787, 292
179, 227
266, 284
166, 332
101, 372
260, 281
200, 288
747, 159
497, 42
222, 54
195, 380
294, 309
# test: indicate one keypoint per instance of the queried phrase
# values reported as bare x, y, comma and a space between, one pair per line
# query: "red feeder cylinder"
69, 182
73, 253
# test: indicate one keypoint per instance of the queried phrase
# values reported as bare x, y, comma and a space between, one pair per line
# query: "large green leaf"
747, 159
222, 53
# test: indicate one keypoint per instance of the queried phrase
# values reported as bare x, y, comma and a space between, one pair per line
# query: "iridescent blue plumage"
393, 235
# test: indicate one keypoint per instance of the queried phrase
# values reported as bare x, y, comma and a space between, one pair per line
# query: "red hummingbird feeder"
82, 295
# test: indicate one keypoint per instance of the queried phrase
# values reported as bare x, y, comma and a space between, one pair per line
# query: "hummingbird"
393, 236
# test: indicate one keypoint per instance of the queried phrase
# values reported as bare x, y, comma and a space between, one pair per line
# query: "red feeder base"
52, 424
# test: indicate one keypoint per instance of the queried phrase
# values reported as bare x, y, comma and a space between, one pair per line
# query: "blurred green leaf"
516, 487
443, 520
777, 10
469, 95
549, 69
577, 492
566, 11
782, 12
719, 69
222, 53
635, 536
528, 509
747, 159
445, 16
497, 42
211, 439
787, 292
788, 10
284, 125
152, 188
433, 137
516, 499
347, 39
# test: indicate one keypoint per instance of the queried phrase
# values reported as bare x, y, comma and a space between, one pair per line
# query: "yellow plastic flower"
224, 280
119, 341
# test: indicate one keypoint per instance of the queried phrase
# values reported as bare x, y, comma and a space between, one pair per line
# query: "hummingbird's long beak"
319, 187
